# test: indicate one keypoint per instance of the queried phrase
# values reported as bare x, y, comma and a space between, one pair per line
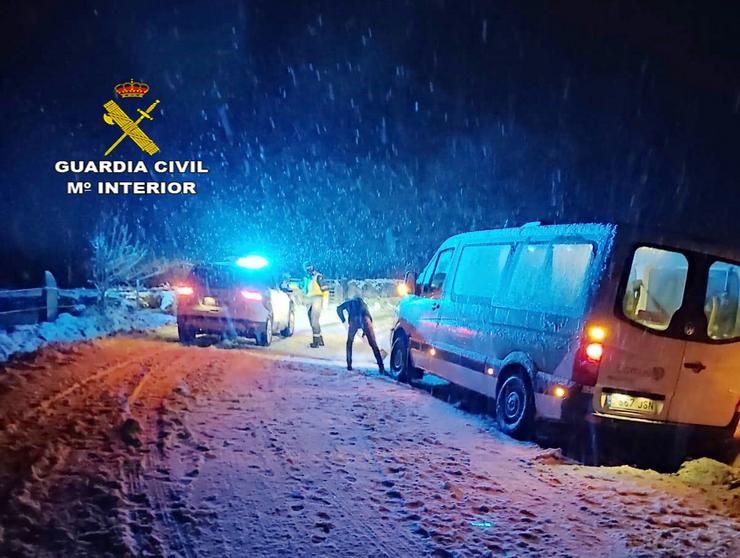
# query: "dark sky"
361, 134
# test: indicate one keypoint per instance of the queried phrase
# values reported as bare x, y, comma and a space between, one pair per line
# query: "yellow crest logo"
115, 115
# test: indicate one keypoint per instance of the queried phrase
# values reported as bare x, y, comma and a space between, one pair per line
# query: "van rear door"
638, 373
708, 388
707, 392
639, 370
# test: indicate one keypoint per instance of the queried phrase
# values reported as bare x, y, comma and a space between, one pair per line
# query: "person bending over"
358, 316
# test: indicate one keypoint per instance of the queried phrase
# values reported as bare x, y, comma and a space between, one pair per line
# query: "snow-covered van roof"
599, 232
596, 232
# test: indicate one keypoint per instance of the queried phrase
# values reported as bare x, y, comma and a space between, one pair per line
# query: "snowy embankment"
120, 316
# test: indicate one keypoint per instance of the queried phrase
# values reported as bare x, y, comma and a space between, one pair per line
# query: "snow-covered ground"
143, 447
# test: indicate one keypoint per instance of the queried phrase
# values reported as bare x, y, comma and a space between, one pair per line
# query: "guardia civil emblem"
115, 115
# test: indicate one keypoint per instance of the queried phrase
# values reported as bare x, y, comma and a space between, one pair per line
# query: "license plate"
209, 301
624, 402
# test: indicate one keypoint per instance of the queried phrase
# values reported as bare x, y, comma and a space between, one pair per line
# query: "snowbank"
162, 298
67, 328
708, 472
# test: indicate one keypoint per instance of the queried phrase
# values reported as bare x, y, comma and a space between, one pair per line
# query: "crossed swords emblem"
130, 128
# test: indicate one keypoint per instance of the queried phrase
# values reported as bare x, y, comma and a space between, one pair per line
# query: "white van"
561, 321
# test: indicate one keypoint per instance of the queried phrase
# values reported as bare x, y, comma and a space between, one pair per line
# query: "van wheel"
185, 334
399, 365
264, 338
515, 407
290, 328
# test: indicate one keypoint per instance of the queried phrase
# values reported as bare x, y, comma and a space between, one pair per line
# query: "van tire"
515, 407
400, 367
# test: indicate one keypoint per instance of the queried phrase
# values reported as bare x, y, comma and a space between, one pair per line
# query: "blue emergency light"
252, 262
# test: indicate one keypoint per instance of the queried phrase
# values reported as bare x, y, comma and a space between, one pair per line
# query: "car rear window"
225, 277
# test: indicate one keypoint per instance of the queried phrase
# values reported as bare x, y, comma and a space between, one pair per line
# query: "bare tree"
119, 256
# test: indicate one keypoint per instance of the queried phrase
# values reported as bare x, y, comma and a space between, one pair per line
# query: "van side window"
438, 276
528, 284
570, 267
423, 278
655, 288
722, 302
481, 270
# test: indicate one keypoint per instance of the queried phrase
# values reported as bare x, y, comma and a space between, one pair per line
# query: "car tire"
185, 334
290, 328
515, 407
264, 338
400, 367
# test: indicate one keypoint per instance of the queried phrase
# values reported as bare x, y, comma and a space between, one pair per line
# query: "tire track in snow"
149, 493
91, 406
155, 482
45, 407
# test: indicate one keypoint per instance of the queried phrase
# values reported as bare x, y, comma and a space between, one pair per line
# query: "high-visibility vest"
313, 288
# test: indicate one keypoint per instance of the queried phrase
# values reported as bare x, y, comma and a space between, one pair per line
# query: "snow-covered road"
135, 446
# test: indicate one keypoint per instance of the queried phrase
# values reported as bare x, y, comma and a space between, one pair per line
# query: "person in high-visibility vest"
315, 289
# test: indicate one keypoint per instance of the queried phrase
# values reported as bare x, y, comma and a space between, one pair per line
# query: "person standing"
315, 288
359, 318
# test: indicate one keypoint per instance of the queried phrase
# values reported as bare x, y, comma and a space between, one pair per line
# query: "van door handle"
694, 366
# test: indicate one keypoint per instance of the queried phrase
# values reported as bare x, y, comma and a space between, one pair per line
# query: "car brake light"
252, 295
184, 291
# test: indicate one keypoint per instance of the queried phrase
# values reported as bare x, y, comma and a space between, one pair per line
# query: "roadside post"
50, 297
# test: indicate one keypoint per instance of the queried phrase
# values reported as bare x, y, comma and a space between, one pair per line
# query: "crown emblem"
132, 89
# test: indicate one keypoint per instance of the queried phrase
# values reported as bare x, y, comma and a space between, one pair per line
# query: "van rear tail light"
184, 291
252, 295
585, 370
589, 356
